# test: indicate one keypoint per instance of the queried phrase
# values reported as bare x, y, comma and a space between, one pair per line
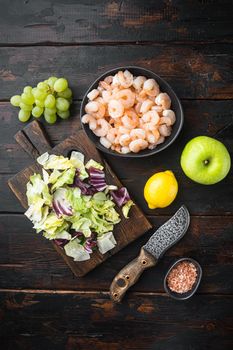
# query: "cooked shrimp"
152, 146
115, 108
151, 87
118, 148
160, 140
123, 130
146, 106
137, 134
115, 81
105, 85
168, 113
91, 107
124, 140
112, 134
125, 150
165, 120
101, 111
117, 123
138, 145
158, 109
128, 122
138, 107
165, 130
146, 126
133, 115
108, 79
100, 89
126, 96
106, 95
151, 117
88, 119
150, 137
102, 128
93, 94
106, 143
100, 100
156, 133
138, 82
163, 100
125, 78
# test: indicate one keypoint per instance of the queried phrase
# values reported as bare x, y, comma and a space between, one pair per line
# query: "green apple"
205, 160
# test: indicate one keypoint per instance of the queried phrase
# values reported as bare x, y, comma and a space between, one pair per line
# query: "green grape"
24, 115
37, 111
39, 94
15, 100
60, 85
27, 98
50, 101
62, 104
39, 103
27, 89
63, 115
50, 118
25, 107
67, 93
43, 86
50, 111
51, 81
33, 90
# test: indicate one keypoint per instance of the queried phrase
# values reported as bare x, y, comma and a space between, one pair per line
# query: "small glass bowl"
186, 295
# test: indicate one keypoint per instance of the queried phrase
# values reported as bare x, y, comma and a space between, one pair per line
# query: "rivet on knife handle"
129, 275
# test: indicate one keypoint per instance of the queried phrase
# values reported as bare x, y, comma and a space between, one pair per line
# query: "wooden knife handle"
129, 275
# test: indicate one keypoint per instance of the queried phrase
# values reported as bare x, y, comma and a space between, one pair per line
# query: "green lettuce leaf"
126, 208
76, 251
66, 178
77, 160
94, 164
106, 242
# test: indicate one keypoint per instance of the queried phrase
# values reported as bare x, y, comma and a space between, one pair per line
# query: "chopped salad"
72, 204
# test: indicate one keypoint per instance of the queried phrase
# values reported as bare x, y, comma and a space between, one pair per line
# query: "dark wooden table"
189, 43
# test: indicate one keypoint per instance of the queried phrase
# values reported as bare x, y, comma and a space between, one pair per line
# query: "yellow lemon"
161, 189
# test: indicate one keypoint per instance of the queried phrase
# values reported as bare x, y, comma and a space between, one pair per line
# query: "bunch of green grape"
51, 97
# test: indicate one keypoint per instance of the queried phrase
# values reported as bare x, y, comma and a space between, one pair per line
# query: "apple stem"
206, 161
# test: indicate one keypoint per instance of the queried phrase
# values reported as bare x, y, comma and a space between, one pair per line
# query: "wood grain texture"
29, 261
106, 20
92, 321
125, 232
194, 71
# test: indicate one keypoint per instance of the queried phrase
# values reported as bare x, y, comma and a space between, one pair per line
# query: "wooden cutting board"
34, 141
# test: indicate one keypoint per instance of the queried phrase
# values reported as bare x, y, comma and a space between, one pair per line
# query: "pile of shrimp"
129, 113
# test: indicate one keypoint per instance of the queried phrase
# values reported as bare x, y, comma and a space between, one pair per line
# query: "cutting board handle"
33, 139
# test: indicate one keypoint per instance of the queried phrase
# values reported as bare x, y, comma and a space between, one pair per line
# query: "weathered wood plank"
194, 71
29, 261
81, 321
213, 118
102, 21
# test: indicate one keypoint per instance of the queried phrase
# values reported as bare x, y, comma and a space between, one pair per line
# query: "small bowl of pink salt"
183, 278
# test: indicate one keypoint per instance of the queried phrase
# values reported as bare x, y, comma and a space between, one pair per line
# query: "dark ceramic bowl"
164, 87
187, 295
